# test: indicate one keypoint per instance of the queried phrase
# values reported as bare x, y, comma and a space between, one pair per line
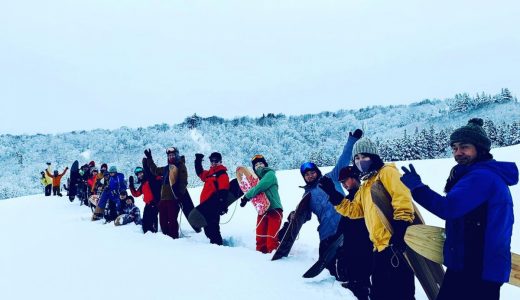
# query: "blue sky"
69, 65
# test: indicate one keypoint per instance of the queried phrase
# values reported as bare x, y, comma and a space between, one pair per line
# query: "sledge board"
430, 274
428, 241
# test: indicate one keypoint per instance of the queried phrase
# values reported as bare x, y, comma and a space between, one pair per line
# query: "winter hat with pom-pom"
472, 133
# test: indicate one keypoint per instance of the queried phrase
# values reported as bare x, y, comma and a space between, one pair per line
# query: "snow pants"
150, 219
56, 191
168, 213
48, 189
461, 285
392, 277
267, 226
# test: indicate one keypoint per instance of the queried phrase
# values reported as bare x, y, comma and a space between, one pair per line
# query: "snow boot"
98, 214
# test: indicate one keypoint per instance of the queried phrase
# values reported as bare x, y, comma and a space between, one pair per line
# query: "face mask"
363, 165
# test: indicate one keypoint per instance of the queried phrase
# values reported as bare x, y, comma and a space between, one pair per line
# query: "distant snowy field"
51, 250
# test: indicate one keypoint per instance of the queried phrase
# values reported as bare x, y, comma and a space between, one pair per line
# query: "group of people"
477, 207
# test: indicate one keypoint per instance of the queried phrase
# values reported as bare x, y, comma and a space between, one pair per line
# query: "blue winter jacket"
485, 185
117, 183
327, 215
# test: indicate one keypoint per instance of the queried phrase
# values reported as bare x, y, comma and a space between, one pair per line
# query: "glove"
327, 185
148, 154
243, 201
411, 179
358, 133
199, 156
131, 181
397, 239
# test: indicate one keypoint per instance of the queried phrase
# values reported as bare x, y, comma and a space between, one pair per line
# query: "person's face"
112, 174
359, 158
123, 197
171, 158
310, 176
259, 165
464, 153
215, 163
94, 173
140, 175
128, 201
350, 183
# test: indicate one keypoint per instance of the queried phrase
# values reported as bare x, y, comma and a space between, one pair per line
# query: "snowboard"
430, 274
72, 189
197, 217
247, 180
428, 241
288, 234
325, 259
185, 201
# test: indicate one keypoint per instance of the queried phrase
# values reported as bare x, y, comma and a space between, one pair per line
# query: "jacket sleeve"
264, 184
158, 171
198, 168
401, 195
134, 192
470, 192
49, 174
351, 209
344, 159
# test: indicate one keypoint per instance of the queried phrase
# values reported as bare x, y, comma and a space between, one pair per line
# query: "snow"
51, 250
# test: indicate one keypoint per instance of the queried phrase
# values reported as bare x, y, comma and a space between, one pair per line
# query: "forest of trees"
403, 132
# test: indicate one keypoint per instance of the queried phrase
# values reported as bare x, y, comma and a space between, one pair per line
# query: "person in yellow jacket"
392, 278
48, 180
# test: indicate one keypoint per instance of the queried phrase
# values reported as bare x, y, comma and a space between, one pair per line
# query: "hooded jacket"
268, 184
328, 217
215, 179
181, 182
363, 206
478, 211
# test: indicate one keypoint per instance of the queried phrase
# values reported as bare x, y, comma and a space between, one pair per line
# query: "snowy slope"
51, 250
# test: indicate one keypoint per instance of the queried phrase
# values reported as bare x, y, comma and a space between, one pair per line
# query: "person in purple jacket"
116, 184
478, 209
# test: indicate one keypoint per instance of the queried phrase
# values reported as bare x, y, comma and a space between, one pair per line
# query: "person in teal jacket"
268, 224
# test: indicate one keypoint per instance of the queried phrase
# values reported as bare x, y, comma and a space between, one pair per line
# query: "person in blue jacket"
478, 209
116, 184
328, 218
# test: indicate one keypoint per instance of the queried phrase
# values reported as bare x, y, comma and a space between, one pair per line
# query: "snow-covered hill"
51, 250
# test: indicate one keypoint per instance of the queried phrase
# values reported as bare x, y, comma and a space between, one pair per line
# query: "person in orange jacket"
56, 180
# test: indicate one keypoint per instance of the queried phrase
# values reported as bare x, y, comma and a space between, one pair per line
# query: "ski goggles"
138, 170
257, 156
171, 150
306, 166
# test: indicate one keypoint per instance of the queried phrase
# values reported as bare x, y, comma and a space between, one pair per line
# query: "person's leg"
274, 221
392, 277
173, 214
261, 232
163, 216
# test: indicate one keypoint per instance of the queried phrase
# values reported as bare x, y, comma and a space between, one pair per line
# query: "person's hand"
148, 154
411, 179
358, 133
327, 185
131, 180
199, 156
397, 240
243, 201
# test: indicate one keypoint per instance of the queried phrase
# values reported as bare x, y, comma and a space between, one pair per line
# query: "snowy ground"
51, 250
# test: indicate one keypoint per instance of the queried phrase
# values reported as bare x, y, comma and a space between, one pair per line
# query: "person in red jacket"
149, 188
216, 187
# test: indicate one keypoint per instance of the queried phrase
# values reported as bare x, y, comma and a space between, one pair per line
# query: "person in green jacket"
268, 224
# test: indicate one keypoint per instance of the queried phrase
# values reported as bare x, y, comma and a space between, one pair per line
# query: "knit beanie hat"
258, 158
472, 133
348, 172
112, 169
215, 156
365, 145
